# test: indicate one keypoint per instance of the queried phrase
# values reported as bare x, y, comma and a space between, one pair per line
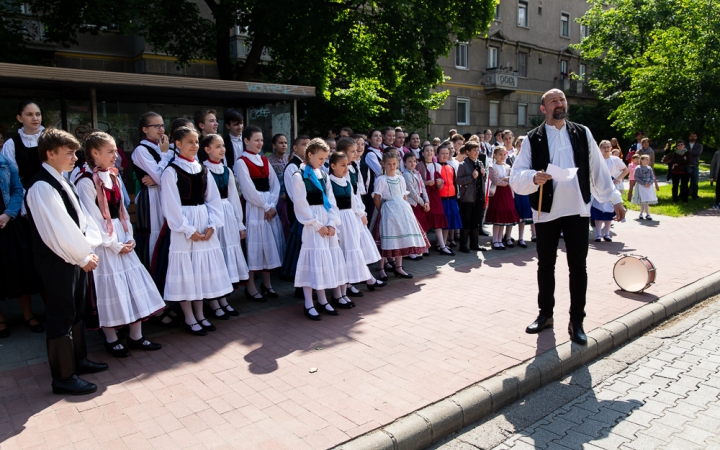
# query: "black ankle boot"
61, 359
83, 364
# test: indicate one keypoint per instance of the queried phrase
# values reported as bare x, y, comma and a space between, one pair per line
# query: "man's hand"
148, 181
619, 211
541, 178
92, 264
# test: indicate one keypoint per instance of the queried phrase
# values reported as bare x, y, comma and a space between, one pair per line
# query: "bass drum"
634, 273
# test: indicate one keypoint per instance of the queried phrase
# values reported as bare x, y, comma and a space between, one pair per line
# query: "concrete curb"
428, 425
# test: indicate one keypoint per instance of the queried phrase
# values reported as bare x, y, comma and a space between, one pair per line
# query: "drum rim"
644, 260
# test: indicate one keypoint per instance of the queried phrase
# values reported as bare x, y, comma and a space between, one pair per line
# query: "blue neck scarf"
309, 173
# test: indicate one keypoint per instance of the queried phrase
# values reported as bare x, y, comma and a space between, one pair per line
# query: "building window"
494, 113
565, 25
492, 62
522, 64
461, 56
584, 31
581, 81
563, 69
497, 12
522, 14
540, 60
463, 111
539, 10
522, 114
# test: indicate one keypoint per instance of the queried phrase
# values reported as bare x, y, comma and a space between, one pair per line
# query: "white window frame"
565, 68
464, 104
523, 5
522, 114
584, 31
565, 25
494, 104
493, 56
496, 16
527, 61
461, 51
582, 70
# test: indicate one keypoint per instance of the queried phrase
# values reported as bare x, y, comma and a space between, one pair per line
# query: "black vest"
295, 161
541, 159
314, 195
38, 246
222, 180
354, 177
28, 161
343, 195
191, 186
139, 173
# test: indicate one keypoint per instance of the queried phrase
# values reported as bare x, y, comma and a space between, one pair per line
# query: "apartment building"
497, 81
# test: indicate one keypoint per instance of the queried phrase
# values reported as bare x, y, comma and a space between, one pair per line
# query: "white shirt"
233, 194
237, 144
72, 243
303, 211
290, 169
30, 140
141, 158
567, 198
373, 160
252, 195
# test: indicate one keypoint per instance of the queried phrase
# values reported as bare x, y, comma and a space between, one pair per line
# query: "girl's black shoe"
329, 312
268, 292
258, 297
223, 317
353, 292
143, 344
398, 274
336, 303
312, 316
200, 332
230, 312
208, 327
378, 284
121, 352
38, 328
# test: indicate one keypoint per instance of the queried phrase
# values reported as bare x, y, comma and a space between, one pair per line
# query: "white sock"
110, 334
136, 331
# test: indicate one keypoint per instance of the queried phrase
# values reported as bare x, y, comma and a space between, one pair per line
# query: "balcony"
575, 88
501, 81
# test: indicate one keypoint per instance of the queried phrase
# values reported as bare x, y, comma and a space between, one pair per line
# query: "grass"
666, 207
662, 169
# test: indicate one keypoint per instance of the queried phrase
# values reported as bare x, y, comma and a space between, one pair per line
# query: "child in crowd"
196, 269
233, 231
321, 264
417, 194
470, 178
644, 194
631, 169
150, 159
371, 168
412, 142
261, 189
397, 231
294, 240
278, 160
435, 216
501, 211
22, 149
448, 193
603, 213
205, 123
125, 292
332, 145
174, 125
234, 123
522, 206
63, 239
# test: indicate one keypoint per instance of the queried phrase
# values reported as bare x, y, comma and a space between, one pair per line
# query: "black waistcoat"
541, 159
191, 186
223, 181
139, 173
38, 246
28, 161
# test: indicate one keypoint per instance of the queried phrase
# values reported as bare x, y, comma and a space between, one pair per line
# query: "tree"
372, 62
658, 64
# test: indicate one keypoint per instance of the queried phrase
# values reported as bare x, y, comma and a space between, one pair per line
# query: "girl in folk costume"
356, 236
371, 168
126, 294
233, 230
294, 240
603, 213
435, 215
417, 194
261, 189
644, 195
471, 179
522, 206
501, 212
174, 125
397, 231
507, 138
150, 158
321, 264
448, 193
278, 160
194, 211
22, 149
413, 144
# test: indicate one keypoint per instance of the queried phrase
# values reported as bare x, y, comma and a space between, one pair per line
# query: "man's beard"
559, 113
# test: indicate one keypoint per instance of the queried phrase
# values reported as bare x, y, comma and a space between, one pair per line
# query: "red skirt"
501, 208
420, 216
435, 217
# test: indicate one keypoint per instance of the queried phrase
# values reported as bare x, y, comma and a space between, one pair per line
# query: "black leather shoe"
121, 352
577, 333
329, 312
401, 275
268, 292
230, 312
208, 327
143, 344
224, 316
191, 329
73, 386
353, 292
315, 316
87, 366
258, 297
335, 302
464, 249
540, 324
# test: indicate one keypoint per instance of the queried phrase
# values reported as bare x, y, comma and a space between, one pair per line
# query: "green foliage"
13, 35
597, 118
657, 62
372, 62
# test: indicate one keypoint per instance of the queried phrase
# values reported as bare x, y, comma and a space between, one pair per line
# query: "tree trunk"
253, 58
222, 43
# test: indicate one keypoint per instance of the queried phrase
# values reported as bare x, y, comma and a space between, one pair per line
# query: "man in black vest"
565, 204
63, 239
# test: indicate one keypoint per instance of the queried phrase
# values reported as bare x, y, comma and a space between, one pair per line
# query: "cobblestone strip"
666, 400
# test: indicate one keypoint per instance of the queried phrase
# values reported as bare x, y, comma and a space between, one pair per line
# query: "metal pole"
93, 104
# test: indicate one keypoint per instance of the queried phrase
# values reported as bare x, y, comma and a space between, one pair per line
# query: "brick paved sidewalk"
249, 385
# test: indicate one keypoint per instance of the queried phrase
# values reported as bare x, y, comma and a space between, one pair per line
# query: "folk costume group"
208, 220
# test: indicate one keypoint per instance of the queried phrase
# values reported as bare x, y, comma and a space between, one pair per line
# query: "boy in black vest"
234, 123
63, 239
565, 205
